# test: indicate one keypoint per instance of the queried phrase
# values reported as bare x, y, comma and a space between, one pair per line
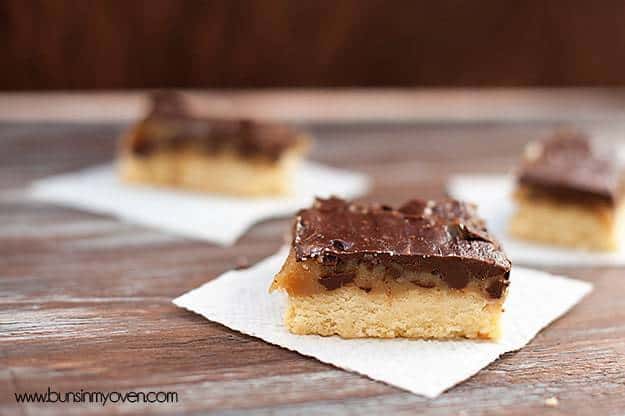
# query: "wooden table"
85, 300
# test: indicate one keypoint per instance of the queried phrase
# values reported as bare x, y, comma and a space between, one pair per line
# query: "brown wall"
57, 44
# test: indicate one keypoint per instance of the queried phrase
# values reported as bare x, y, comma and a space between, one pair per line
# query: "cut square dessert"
569, 194
174, 148
429, 269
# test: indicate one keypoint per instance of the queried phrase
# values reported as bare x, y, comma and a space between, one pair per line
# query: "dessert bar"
569, 194
173, 147
429, 269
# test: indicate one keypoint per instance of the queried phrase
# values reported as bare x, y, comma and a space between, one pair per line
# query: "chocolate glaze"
171, 125
445, 238
567, 167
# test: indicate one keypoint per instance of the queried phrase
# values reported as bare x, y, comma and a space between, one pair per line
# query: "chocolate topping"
568, 167
444, 238
171, 125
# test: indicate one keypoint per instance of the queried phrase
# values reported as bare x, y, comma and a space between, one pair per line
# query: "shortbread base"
351, 312
589, 227
224, 172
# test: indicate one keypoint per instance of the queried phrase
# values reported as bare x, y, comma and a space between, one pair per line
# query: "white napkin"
493, 195
240, 300
214, 218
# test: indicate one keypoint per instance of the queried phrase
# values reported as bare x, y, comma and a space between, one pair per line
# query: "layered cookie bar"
429, 269
569, 193
173, 147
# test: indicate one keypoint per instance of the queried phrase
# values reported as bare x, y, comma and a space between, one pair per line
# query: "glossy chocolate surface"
171, 125
445, 238
567, 167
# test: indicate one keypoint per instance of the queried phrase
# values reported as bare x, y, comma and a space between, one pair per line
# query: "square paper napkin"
240, 300
493, 195
220, 219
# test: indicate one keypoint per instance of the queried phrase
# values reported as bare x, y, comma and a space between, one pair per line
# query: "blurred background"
120, 44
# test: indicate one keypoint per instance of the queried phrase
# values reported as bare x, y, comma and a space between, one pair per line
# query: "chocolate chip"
143, 147
496, 288
329, 259
394, 270
459, 231
336, 280
341, 245
424, 285
177, 142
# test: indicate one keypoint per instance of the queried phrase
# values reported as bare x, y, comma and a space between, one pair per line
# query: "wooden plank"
85, 299
253, 43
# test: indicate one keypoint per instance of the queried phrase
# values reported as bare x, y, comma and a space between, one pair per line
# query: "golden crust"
430, 313
223, 172
563, 223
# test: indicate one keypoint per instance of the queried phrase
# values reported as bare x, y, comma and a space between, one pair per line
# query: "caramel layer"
305, 278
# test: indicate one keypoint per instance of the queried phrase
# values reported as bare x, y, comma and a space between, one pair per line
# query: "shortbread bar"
569, 194
426, 270
172, 147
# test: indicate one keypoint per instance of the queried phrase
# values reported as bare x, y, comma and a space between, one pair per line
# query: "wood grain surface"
85, 300
76, 44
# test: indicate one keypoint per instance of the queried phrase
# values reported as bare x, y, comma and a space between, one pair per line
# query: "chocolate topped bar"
567, 166
429, 269
445, 238
171, 125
